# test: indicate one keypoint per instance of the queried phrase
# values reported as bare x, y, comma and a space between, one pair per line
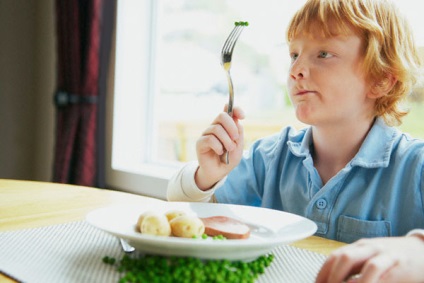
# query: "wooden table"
28, 204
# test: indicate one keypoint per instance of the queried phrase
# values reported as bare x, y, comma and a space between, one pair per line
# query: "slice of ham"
225, 226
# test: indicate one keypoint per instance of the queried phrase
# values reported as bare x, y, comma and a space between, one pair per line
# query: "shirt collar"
376, 149
374, 152
300, 142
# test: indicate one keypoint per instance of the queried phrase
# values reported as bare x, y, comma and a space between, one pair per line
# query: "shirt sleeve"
182, 187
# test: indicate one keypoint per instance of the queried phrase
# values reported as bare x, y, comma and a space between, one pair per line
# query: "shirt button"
321, 203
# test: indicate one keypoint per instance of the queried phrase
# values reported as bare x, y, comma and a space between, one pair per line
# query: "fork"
226, 55
125, 246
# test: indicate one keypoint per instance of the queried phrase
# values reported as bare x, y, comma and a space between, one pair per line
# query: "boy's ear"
383, 87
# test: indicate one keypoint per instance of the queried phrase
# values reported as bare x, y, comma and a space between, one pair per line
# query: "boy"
350, 172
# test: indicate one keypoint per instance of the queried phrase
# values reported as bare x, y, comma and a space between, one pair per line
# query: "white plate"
270, 228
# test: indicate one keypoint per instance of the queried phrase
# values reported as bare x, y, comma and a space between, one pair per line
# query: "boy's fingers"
237, 112
210, 142
221, 135
228, 124
240, 130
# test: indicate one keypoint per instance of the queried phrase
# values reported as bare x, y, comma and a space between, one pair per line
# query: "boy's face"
326, 83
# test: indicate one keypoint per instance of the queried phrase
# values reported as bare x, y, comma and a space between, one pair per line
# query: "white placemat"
73, 252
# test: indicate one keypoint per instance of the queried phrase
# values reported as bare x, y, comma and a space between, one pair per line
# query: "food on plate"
173, 214
141, 218
187, 226
180, 224
155, 224
226, 226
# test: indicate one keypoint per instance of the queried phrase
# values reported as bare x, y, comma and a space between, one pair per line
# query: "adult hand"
225, 133
397, 259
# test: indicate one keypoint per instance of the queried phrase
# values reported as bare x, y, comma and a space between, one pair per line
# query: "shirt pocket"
350, 229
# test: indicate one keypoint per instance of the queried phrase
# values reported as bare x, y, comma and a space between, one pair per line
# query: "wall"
27, 65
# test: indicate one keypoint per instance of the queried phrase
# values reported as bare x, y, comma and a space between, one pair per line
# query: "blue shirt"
378, 193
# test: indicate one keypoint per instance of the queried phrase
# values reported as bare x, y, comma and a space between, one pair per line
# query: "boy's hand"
395, 259
225, 133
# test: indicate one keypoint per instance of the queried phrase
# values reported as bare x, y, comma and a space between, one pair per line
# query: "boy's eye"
324, 54
294, 56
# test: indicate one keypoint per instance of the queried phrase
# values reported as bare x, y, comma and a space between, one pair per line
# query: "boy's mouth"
303, 92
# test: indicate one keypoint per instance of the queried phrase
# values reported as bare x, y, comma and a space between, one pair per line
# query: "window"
169, 84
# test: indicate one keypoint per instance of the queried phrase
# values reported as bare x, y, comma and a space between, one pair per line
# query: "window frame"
151, 179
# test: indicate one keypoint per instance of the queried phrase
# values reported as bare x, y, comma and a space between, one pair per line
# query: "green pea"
152, 268
240, 23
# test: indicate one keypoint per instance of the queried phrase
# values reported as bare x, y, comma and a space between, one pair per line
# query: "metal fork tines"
226, 55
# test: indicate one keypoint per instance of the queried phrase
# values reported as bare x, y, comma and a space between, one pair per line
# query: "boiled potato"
174, 214
155, 224
140, 219
187, 226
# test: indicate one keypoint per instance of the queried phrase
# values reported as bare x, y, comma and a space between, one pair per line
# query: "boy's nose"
298, 69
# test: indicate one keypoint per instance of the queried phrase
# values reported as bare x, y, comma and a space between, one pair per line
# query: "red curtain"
78, 28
